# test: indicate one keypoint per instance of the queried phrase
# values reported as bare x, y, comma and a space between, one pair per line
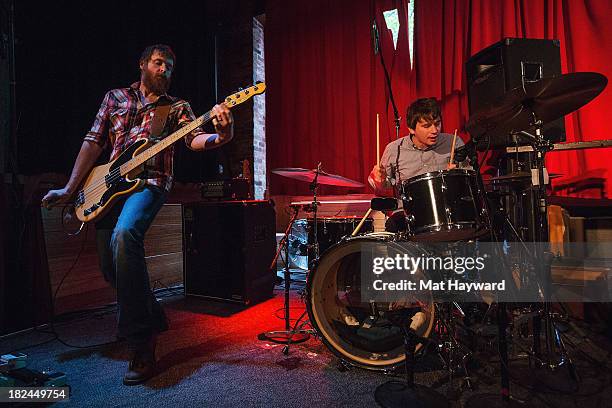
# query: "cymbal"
519, 175
548, 98
308, 176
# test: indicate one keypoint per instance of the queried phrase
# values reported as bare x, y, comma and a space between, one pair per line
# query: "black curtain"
69, 53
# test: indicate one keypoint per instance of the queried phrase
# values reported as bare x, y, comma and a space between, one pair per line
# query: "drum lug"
410, 218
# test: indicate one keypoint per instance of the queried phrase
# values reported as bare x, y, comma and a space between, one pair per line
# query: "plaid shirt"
122, 119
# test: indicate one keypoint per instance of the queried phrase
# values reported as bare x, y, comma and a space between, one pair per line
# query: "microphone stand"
378, 50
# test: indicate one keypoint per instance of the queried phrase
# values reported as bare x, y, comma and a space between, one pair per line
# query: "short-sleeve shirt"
123, 118
403, 155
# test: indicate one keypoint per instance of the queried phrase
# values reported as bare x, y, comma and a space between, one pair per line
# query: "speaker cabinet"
228, 248
506, 65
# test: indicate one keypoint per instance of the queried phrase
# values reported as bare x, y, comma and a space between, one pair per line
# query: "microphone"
375, 38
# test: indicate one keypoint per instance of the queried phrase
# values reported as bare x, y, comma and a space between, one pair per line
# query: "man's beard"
157, 84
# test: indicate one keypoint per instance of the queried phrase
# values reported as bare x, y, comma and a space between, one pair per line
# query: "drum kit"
450, 206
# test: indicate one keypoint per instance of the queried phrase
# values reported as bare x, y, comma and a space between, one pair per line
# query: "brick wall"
259, 113
240, 64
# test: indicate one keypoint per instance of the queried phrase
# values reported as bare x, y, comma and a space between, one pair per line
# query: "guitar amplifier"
234, 189
228, 249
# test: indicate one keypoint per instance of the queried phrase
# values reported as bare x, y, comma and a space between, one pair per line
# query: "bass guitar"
107, 182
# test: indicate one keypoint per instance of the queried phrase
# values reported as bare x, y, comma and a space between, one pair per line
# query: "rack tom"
444, 205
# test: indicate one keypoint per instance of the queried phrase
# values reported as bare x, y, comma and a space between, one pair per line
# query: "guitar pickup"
91, 209
80, 199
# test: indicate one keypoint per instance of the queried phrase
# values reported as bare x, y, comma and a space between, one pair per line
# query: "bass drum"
343, 319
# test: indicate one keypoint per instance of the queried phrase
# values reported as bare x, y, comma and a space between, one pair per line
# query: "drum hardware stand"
399, 394
503, 398
296, 335
552, 337
315, 205
452, 361
288, 335
554, 98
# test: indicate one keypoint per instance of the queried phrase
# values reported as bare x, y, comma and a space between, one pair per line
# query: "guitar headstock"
245, 94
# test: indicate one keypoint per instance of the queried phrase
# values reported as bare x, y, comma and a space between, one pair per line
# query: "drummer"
426, 149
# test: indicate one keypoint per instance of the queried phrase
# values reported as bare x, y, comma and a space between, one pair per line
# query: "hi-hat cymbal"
548, 99
308, 176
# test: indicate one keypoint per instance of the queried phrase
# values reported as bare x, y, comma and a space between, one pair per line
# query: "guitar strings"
115, 174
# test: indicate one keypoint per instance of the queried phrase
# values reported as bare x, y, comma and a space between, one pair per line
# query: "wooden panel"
84, 286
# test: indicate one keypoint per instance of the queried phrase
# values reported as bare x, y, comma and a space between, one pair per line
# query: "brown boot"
142, 367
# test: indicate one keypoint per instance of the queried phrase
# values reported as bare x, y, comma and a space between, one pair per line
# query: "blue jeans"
120, 243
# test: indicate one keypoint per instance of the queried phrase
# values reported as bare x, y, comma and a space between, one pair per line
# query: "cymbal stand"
303, 335
314, 186
552, 338
288, 335
453, 354
296, 334
503, 399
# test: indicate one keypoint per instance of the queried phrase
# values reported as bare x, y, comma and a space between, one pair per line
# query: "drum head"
345, 320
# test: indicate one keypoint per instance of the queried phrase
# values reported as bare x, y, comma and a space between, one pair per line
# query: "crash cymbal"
548, 98
308, 176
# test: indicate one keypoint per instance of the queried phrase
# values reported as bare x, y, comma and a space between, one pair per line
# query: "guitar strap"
159, 119
160, 115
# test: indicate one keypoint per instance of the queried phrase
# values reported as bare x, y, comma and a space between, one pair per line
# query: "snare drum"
444, 205
331, 230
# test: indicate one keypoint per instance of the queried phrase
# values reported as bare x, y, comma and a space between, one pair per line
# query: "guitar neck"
166, 142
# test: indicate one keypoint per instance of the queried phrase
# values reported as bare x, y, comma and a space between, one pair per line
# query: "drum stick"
377, 140
367, 214
452, 155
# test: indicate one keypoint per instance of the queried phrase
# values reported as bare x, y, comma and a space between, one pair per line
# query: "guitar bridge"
91, 209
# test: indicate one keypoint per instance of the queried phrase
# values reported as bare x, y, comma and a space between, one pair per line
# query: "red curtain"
450, 31
325, 85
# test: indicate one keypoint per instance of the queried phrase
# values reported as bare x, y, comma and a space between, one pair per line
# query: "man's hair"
163, 49
423, 108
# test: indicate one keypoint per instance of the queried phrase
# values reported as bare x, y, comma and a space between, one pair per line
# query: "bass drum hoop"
347, 246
